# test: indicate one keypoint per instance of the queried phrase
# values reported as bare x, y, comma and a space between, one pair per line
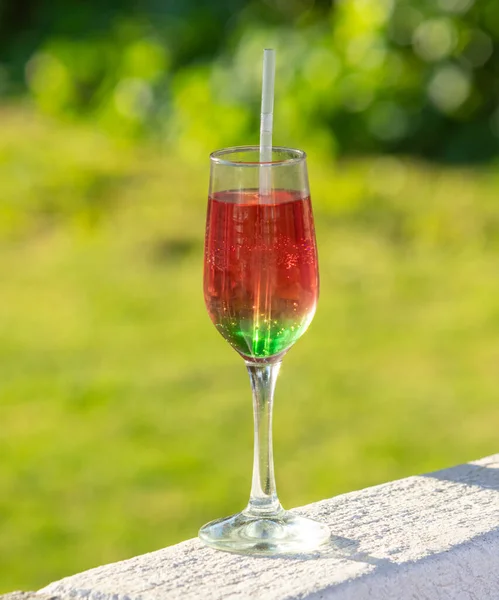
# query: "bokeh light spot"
449, 88
49, 81
434, 39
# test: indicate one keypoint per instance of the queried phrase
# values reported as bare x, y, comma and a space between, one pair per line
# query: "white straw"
268, 77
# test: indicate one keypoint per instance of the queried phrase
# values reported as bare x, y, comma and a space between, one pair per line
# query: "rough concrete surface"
428, 537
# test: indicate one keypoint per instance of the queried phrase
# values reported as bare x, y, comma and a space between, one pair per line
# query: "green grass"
126, 419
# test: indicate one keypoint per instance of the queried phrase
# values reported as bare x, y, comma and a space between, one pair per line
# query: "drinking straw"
266, 117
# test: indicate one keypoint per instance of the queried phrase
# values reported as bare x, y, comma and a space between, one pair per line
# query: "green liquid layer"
265, 338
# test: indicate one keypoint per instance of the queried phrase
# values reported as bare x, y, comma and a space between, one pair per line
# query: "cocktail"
261, 285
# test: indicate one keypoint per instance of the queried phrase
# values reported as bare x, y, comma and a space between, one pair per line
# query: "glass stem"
263, 499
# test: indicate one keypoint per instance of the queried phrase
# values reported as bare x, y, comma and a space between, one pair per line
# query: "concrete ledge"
429, 537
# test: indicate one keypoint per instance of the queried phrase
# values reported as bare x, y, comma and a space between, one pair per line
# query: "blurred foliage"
356, 76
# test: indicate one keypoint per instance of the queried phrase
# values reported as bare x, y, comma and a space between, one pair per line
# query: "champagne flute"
261, 286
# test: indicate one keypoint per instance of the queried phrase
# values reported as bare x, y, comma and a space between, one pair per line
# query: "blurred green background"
125, 418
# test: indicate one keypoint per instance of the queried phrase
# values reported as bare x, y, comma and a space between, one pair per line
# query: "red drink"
260, 277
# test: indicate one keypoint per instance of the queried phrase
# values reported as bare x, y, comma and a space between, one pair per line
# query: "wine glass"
261, 285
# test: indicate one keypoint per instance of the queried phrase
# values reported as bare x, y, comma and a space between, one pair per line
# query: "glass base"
281, 534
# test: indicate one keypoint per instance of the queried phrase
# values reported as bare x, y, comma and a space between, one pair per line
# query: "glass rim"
216, 157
